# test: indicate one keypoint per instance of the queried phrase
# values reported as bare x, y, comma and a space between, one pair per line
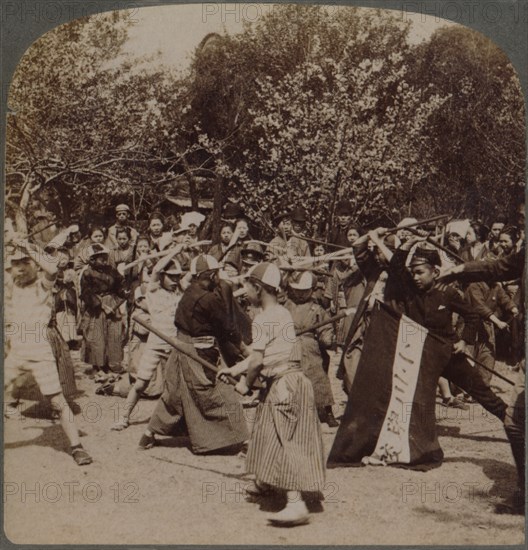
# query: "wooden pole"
177, 346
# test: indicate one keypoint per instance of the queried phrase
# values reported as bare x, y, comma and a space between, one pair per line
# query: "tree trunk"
192, 184
21, 213
192, 192
330, 219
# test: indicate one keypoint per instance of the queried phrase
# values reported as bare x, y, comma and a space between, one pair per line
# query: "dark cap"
279, 217
343, 207
252, 253
233, 210
425, 256
298, 215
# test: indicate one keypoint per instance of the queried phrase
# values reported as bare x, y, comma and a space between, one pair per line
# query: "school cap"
179, 230
302, 280
343, 207
298, 215
122, 208
97, 249
172, 268
252, 253
267, 274
423, 256
16, 254
233, 210
203, 263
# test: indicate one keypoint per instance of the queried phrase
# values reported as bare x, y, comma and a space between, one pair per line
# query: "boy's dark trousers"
514, 425
469, 379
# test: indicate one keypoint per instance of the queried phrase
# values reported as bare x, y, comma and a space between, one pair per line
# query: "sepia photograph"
264, 280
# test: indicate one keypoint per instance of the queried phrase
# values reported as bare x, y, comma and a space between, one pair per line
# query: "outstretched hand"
459, 347
242, 388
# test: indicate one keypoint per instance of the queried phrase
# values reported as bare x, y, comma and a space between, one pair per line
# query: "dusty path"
169, 496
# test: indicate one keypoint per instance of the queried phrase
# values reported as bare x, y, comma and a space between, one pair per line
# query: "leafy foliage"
477, 140
90, 126
308, 106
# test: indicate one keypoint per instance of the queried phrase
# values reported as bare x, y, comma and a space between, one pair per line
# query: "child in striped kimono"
285, 451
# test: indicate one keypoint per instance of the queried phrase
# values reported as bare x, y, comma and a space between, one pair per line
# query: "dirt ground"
169, 496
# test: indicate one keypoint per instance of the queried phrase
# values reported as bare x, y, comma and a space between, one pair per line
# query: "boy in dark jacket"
432, 306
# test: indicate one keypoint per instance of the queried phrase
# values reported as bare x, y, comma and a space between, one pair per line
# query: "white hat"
267, 273
302, 281
122, 208
17, 254
203, 263
459, 227
180, 230
191, 218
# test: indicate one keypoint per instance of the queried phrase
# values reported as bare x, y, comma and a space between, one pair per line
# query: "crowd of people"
202, 324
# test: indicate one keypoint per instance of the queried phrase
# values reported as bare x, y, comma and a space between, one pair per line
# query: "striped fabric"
286, 449
103, 338
64, 361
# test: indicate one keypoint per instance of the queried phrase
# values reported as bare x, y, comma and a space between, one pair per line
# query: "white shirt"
274, 334
27, 315
162, 306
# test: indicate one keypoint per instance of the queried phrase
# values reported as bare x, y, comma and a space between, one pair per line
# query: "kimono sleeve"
88, 290
325, 334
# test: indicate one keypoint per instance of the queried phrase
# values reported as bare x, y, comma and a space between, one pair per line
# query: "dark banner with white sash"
390, 414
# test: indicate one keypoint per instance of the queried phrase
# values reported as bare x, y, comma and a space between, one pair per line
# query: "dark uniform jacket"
211, 313
502, 269
434, 308
203, 313
339, 237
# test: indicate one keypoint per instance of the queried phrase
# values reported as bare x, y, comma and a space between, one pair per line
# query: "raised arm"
45, 261
164, 262
501, 269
